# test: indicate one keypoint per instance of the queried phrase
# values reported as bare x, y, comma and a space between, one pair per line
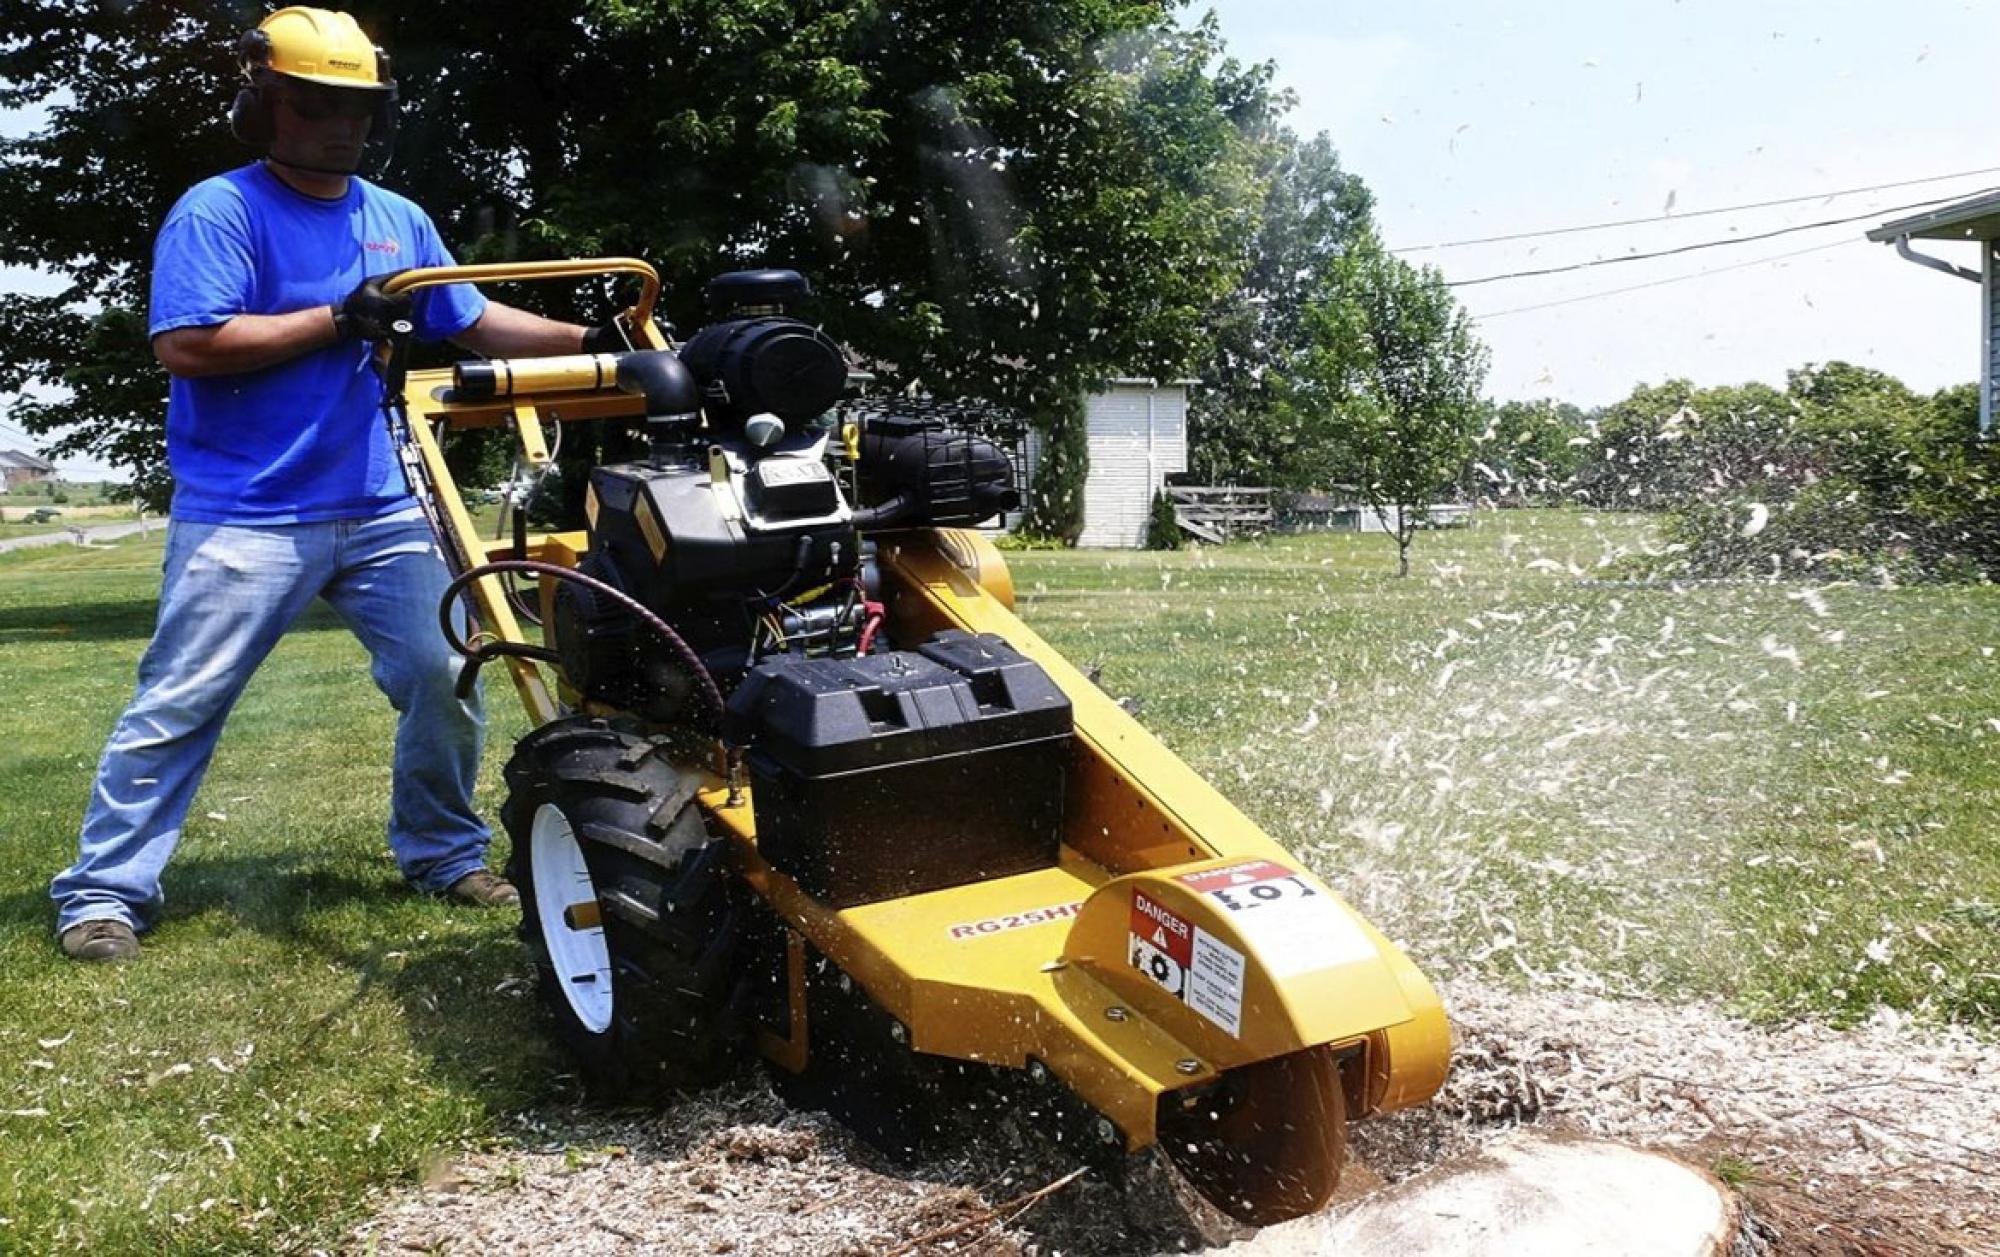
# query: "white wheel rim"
566, 907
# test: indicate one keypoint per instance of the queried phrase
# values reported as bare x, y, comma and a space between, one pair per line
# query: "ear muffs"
250, 118
250, 114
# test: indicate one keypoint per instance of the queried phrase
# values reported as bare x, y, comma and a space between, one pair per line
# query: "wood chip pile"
1884, 1138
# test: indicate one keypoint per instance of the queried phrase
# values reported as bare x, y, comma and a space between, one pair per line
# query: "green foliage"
481, 458
1668, 442
1028, 541
1055, 499
1846, 473
1312, 212
1012, 209
1527, 453
1734, 1172
1387, 395
1163, 530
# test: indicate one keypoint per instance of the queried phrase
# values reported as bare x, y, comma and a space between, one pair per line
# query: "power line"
1671, 279
1661, 218
1696, 247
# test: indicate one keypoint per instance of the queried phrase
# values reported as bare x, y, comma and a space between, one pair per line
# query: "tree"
1011, 210
1526, 452
1388, 395
1055, 500
1845, 473
1668, 441
1312, 212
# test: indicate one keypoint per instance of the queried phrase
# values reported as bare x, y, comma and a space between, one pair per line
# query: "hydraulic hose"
711, 693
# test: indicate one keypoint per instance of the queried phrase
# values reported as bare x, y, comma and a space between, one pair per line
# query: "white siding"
1138, 437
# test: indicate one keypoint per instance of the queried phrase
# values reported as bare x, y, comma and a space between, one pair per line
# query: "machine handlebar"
495, 272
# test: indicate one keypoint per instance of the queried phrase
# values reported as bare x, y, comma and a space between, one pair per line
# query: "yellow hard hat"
318, 46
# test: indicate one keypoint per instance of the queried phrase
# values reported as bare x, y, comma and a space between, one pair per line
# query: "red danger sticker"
1187, 962
1016, 920
1162, 930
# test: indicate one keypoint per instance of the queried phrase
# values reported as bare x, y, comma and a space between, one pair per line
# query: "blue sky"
1480, 119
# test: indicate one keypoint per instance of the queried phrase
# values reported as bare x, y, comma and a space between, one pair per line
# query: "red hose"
872, 613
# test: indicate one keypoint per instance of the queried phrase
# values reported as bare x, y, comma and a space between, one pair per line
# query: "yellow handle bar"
495, 272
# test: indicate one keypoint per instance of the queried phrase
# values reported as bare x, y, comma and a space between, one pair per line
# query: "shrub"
1847, 475
1055, 500
1163, 530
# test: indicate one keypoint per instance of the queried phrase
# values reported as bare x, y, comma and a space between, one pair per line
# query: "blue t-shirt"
303, 440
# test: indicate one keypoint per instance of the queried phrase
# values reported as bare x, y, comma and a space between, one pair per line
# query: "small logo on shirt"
382, 246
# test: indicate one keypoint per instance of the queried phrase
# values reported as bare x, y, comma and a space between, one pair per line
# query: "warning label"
1187, 962
1294, 926
1215, 987
1162, 944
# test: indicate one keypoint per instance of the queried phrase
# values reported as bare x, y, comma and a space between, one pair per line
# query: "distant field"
13, 516
1776, 797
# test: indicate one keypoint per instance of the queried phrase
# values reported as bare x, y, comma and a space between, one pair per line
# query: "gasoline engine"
737, 528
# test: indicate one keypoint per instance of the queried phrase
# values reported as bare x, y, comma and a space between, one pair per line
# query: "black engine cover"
670, 538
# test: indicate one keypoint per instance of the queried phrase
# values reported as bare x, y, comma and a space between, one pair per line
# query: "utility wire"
1696, 247
1721, 209
1671, 279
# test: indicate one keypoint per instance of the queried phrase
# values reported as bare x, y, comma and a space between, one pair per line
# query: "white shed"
1138, 437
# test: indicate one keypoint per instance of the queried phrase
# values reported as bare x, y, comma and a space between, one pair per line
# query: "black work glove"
368, 313
605, 338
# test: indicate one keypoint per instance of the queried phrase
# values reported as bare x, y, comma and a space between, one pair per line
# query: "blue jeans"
230, 593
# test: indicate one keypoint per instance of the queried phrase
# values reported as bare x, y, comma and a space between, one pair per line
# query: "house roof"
1974, 218
22, 458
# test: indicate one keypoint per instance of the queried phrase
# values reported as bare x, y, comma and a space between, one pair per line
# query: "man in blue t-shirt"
266, 297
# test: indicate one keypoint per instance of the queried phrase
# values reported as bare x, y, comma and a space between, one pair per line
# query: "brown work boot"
488, 890
101, 939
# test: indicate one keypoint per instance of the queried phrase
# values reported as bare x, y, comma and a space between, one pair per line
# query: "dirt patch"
1883, 1139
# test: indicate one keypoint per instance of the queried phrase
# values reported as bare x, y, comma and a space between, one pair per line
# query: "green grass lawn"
301, 1026
1781, 797
1776, 797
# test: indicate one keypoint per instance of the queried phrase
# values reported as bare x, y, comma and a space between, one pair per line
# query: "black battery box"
907, 771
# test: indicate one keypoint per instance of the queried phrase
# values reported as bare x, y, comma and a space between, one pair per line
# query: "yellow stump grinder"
801, 782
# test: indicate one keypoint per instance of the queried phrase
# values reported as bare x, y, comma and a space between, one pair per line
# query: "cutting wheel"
1267, 1142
